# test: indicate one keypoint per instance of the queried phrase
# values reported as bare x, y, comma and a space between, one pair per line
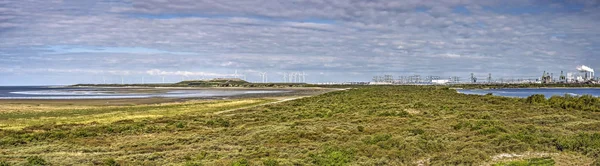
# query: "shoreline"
292, 92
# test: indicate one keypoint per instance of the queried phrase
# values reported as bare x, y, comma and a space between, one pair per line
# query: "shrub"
416, 131
360, 128
270, 162
110, 162
219, 122
536, 99
180, 125
585, 102
36, 161
377, 138
544, 161
394, 113
332, 157
4, 163
583, 142
193, 164
468, 156
241, 162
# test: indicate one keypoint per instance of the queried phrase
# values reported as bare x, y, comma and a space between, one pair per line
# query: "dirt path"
274, 102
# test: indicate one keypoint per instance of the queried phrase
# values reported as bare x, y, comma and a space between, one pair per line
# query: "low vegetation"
370, 125
39, 116
546, 161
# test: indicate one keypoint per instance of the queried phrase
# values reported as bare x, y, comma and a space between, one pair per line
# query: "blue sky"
71, 41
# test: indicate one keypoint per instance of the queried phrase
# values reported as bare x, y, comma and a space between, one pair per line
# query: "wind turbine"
122, 81
294, 77
264, 76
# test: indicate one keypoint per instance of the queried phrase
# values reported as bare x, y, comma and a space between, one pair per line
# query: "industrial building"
584, 74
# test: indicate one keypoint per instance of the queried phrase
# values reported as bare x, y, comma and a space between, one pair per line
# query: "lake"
45, 92
526, 92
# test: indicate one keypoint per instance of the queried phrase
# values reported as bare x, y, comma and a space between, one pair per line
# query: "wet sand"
293, 92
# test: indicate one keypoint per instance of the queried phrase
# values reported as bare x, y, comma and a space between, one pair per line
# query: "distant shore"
296, 91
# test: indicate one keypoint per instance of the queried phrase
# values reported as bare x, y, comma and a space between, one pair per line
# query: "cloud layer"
331, 40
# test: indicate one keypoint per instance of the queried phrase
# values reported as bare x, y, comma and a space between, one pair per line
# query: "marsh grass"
104, 115
546, 161
375, 125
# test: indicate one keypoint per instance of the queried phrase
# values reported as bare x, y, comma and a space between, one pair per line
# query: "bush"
270, 162
4, 163
180, 125
585, 102
377, 138
536, 99
332, 157
544, 161
241, 162
110, 162
193, 164
36, 161
360, 128
417, 131
219, 122
586, 143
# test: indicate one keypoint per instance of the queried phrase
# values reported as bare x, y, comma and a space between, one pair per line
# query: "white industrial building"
587, 72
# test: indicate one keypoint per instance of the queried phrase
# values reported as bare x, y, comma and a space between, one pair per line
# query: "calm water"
43, 92
526, 92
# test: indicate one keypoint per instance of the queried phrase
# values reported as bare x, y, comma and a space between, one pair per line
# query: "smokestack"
585, 68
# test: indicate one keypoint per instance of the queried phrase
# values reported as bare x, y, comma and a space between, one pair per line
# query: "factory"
587, 72
582, 75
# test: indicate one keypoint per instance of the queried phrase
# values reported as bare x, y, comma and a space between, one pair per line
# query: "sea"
526, 92
64, 92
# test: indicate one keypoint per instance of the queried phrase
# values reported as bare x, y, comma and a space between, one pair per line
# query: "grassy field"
371, 125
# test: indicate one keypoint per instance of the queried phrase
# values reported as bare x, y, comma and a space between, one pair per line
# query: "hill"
217, 82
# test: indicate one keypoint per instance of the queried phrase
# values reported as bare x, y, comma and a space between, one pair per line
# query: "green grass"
103, 115
546, 161
370, 125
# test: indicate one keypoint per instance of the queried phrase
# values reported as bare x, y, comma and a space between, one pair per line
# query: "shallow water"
42, 92
526, 92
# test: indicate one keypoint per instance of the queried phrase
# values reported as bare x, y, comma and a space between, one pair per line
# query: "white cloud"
352, 36
449, 55
157, 72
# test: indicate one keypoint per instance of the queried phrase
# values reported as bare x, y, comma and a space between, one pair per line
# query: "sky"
61, 42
